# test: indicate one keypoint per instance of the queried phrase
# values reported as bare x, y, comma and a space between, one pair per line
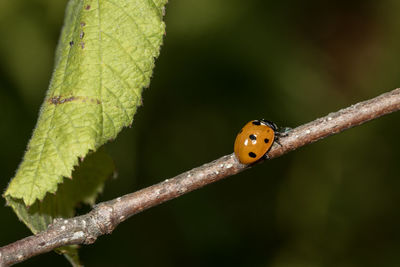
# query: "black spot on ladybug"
252, 155
266, 140
256, 122
252, 137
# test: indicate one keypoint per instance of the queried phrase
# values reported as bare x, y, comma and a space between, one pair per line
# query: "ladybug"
254, 140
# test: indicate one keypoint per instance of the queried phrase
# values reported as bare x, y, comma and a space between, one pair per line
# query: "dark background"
223, 63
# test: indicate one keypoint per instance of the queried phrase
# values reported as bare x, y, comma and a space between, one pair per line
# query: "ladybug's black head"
269, 123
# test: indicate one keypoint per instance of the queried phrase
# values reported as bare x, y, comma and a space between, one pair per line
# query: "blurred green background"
223, 63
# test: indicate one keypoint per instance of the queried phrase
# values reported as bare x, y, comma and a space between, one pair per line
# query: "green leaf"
88, 181
104, 59
71, 253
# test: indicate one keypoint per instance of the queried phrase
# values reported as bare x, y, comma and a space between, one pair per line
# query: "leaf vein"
134, 22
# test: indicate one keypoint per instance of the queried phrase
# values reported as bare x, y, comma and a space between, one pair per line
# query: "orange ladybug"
254, 140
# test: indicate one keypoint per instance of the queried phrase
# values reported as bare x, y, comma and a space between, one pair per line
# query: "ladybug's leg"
285, 132
266, 156
277, 140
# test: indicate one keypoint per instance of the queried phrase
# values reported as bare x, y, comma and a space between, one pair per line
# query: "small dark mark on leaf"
71, 98
56, 100
87, 7
71, 43
83, 24
81, 34
82, 45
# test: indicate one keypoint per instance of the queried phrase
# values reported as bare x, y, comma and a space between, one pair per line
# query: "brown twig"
105, 217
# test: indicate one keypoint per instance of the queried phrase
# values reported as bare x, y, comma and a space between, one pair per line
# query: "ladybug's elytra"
254, 140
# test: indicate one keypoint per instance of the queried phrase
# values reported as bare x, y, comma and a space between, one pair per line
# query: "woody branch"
105, 216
